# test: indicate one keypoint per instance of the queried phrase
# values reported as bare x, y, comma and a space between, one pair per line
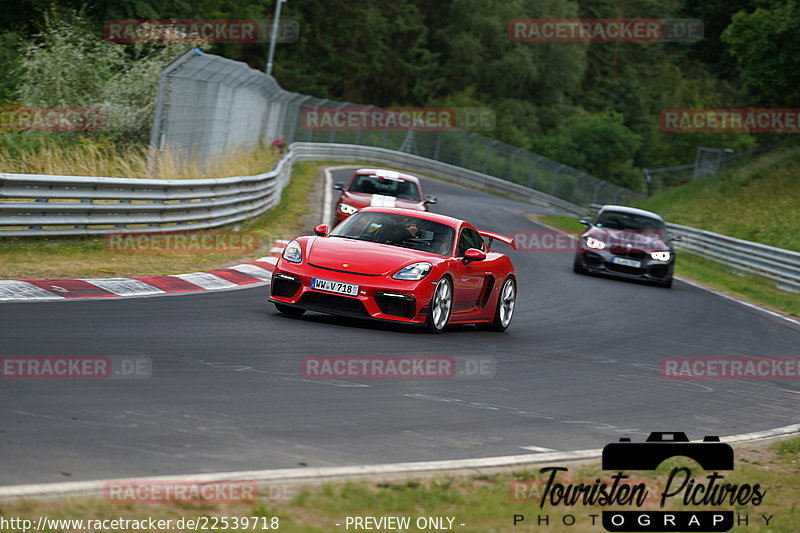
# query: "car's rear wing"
497, 237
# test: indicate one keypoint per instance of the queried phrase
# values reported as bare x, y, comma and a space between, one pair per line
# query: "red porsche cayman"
398, 265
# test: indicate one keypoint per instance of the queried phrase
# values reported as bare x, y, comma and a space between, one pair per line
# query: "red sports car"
398, 265
380, 188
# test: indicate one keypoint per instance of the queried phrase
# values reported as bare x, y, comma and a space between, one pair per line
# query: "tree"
597, 143
766, 46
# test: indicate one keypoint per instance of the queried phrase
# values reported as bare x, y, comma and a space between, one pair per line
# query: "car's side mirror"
321, 230
586, 221
339, 186
473, 254
430, 199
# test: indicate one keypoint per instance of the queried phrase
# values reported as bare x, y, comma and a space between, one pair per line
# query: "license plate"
626, 262
334, 286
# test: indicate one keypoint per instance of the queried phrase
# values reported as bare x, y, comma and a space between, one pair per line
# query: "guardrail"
74, 205
777, 264
782, 266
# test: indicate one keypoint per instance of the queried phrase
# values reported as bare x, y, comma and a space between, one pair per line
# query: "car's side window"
469, 239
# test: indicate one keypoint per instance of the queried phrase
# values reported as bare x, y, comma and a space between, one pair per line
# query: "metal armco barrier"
777, 264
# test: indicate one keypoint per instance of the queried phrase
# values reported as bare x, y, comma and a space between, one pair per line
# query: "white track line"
311, 475
326, 197
537, 449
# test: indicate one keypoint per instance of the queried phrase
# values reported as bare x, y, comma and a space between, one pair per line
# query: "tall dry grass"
88, 159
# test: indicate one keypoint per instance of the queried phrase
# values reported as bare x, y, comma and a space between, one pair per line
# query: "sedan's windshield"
399, 188
627, 221
398, 230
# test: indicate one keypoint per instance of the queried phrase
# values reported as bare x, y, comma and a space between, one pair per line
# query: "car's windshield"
628, 221
399, 188
398, 230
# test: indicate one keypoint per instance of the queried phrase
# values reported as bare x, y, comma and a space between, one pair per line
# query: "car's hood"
640, 240
361, 257
360, 200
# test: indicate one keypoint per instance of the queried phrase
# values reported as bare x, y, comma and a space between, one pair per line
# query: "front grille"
331, 303
392, 305
284, 288
624, 269
630, 254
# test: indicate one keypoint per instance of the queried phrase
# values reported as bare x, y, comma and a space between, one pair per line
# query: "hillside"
757, 201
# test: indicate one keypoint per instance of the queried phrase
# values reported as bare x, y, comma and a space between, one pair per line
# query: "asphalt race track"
578, 368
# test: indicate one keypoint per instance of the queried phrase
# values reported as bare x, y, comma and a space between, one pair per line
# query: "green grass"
752, 288
483, 502
756, 201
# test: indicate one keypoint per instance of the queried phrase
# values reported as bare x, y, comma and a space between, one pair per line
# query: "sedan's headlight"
661, 256
293, 253
347, 209
591, 242
414, 272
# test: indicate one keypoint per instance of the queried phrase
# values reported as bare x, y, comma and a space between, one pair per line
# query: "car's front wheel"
289, 310
441, 305
506, 303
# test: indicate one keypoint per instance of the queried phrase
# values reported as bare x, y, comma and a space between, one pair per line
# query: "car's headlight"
414, 272
591, 242
661, 256
293, 253
347, 209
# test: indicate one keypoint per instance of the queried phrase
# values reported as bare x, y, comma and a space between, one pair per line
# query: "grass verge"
89, 257
482, 502
756, 201
94, 157
755, 289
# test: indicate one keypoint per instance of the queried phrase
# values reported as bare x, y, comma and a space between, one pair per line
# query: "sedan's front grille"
623, 269
630, 254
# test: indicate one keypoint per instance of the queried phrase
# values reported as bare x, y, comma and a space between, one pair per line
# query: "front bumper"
600, 261
379, 297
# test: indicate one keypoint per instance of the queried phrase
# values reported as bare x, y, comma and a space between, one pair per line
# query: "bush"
69, 65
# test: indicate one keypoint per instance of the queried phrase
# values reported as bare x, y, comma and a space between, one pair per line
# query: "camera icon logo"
711, 454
